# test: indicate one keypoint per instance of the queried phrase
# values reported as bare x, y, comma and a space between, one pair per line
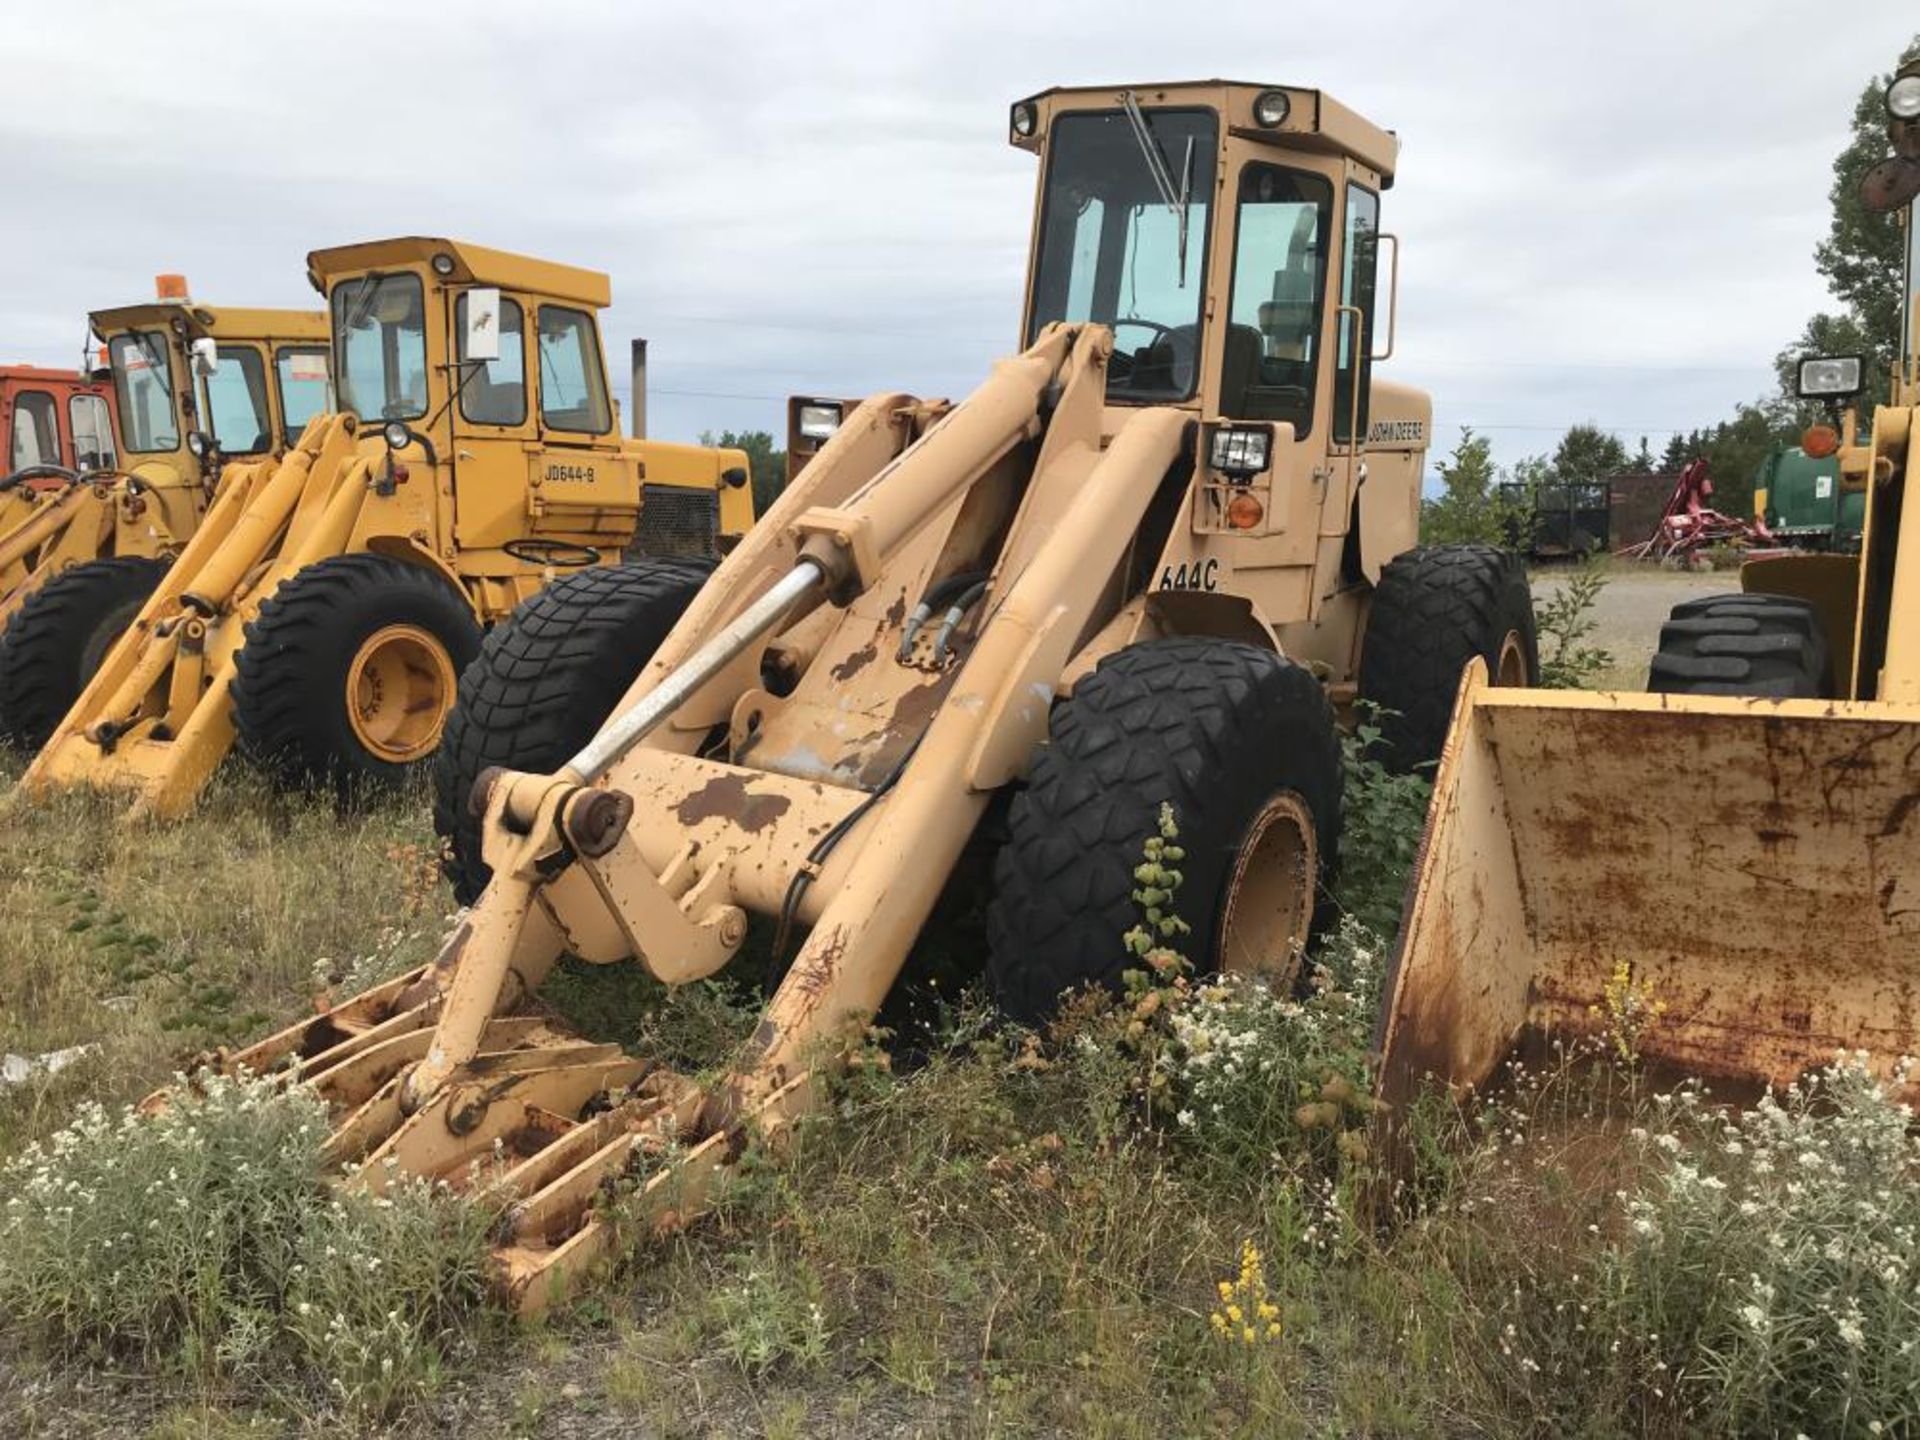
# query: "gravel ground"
1630, 611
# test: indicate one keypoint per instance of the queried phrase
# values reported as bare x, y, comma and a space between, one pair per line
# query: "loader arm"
156, 718
49, 534
842, 807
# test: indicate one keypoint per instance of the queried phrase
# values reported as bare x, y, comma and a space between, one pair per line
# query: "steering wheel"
552, 552
39, 472
1180, 347
1155, 326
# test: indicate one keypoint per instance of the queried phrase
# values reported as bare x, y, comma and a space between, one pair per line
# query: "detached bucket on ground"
1754, 864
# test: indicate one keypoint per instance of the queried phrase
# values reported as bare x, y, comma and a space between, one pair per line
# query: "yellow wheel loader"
1742, 843
1143, 562
323, 612
195, 386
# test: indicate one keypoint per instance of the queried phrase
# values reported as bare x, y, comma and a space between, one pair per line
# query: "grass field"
998, 1234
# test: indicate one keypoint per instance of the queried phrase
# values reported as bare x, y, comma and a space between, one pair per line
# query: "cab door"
583, 485
1273, 358
491, 417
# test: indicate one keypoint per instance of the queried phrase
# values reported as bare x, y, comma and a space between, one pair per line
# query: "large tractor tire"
348, 673
1434, 610
544, 683
1243, 745
1742, 644
56, 640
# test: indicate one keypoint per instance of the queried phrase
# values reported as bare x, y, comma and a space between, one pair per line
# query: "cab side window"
1277, 304
573, 388
92, 426
36, 430
494, 392
1357, 287
305, 387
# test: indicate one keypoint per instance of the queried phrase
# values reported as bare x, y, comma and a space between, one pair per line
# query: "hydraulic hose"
968, 599
938, 594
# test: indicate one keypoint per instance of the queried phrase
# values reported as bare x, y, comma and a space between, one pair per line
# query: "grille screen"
676, 520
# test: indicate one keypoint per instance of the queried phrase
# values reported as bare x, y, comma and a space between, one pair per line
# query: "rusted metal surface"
729, 798
1753, 864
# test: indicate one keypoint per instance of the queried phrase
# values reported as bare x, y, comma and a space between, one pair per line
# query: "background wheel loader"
324, 610
1143, 562
194, 386
54, 425
1743, 842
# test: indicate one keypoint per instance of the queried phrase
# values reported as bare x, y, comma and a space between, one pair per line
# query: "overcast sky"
1608, 211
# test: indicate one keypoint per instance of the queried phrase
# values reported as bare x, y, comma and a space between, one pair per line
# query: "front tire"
58, 637
544, 683
1434, 610
1243, 745
348, 673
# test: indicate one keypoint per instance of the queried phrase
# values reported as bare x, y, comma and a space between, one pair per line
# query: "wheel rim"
1511, 668
399, 690
1270, 894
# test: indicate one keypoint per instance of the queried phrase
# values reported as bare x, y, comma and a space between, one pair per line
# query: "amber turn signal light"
1820, 441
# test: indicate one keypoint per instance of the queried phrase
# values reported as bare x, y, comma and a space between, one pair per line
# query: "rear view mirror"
482, 340
206, 356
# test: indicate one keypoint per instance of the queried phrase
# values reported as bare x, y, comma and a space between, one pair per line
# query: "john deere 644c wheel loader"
196, 387
1744, 840
323, 612
1141, 563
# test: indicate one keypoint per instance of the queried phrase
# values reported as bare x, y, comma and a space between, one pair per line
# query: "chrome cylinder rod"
627, 729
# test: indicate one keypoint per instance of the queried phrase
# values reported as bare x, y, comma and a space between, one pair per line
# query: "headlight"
819, 422
397, 435
442, 264
1831, 376
1239, 452
1903, 98
1271, 108
1026, 119
196, 444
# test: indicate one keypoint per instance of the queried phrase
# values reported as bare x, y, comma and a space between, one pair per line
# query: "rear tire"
1434, 610
1231, 736
1743, 644
56, 640
544, 683
348, 673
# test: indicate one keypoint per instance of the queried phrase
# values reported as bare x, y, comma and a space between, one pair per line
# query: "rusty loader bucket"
1753, 864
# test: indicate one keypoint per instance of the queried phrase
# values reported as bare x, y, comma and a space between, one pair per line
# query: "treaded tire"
1742, 644
545, 681
1213, 727
1434, 609
57, 638
290, 702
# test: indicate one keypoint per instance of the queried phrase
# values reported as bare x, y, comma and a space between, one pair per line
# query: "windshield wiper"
1174, 199
360, 301
155, 358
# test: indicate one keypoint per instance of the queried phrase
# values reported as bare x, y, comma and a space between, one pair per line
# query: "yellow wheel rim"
1512, 669
399, 690
1270, 895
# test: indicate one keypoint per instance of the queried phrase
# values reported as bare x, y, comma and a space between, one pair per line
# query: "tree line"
1862, 263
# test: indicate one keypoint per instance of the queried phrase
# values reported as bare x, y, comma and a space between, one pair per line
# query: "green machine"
1800, 499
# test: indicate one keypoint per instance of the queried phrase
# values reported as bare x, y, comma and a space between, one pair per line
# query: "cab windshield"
380, 346
143, 377
1123, 240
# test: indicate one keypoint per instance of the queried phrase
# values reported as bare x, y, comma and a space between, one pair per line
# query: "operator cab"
1229, 236
1226, 233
